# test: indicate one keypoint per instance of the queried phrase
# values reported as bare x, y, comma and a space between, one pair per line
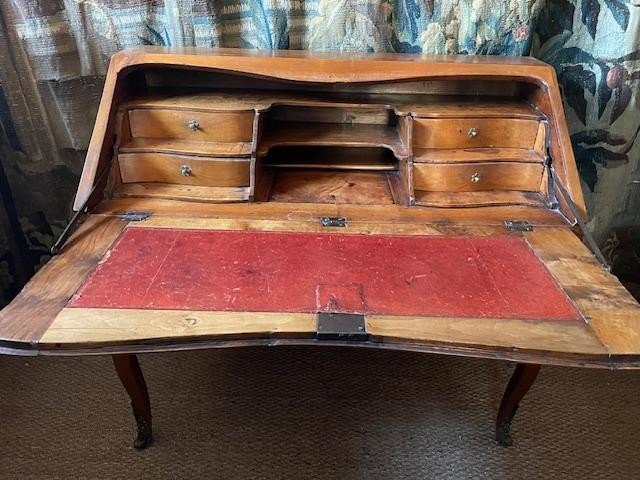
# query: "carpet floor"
314, 413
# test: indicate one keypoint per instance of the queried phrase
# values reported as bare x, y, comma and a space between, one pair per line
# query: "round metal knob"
475, 177
185, 170
193, 125
473, 132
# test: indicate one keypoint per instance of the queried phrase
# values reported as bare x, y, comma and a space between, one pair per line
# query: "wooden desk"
235, 198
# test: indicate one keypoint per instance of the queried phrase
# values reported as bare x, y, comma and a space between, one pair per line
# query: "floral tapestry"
54, 55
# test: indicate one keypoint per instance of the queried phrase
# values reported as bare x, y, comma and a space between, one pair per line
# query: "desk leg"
130, 375
520, 383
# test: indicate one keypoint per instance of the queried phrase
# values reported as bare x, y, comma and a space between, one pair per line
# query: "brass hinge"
518, 226
333, 221
134, 216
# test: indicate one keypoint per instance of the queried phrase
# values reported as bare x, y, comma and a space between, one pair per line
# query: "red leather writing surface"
496, 277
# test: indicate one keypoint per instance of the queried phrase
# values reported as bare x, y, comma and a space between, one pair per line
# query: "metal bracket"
333, 221
59, 243
551, 189
341, 326
518, 226
587, 237
134, 216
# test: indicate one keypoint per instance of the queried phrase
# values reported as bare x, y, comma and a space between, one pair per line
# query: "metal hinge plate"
333, 221
134, 216
518, 226
341, 326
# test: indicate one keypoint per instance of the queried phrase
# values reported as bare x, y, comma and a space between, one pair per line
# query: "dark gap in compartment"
331, 158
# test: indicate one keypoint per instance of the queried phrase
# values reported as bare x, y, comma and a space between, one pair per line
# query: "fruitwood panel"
360, 227
420, 105
470, 177
86, 327
331, 187
103, 326
391, 214
208, 149
471, 199
28, 316
448, 106
166, 168
458, 133
328, 134
502, 333
473, 155
217, 127
190, 193
610, 310
359, 115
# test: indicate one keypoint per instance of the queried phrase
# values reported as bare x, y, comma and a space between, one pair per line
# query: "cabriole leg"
520, 383
130, 375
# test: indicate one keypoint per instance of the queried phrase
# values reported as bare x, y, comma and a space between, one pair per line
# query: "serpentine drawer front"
184, 169
191, 125
235, 197
471, 177
474, 132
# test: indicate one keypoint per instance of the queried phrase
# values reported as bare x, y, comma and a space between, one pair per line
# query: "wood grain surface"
216, 127
474, 133
196, 148
610, 334
473, 177
167, 168
538, 78
453, 164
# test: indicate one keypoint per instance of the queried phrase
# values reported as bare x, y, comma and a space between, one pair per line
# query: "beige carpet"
314, 413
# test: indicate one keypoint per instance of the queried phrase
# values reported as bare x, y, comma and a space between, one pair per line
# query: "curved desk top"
586, 319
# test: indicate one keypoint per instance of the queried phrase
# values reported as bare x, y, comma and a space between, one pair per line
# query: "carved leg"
520, 383
130, 375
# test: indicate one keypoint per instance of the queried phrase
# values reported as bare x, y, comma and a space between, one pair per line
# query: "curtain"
54, 55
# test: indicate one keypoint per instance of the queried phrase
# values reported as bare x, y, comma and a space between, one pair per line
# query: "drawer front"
189, 125
184, 170
474, 133
472, 177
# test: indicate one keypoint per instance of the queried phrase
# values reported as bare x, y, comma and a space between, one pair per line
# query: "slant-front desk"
234, 198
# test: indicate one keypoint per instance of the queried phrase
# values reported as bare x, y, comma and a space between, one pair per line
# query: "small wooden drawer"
472, 177
191, 125
474, 132
184, 170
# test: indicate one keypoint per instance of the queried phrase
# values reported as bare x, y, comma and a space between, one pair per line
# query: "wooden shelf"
184, 192
330, 134
491, 198
384, 167
186, 147
473, 155
419, 105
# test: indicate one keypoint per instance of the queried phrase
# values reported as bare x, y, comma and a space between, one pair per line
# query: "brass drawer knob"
475, 177
193, 125
185, 170
473, 132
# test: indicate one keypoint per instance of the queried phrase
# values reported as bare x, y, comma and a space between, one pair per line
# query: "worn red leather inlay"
497, 277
